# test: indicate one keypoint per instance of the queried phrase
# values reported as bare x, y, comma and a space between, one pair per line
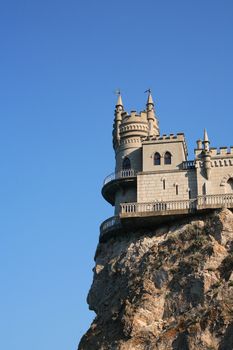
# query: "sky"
60, 63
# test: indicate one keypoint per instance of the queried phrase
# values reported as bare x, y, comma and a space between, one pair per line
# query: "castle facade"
153, 174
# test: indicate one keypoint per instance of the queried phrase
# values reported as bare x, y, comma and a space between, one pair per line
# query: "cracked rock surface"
167, 288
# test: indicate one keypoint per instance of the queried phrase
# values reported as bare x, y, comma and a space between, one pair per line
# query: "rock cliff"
167, 288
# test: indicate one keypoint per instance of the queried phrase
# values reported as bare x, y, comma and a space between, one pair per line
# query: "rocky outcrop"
167, 288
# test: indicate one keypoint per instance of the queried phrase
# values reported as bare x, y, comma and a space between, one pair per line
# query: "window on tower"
157, 159
126, 163
167, 158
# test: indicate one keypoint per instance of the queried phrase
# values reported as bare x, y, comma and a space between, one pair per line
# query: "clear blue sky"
60, 62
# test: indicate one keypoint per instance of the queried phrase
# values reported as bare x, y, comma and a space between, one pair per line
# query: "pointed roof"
206, 138
119, 99
150, 99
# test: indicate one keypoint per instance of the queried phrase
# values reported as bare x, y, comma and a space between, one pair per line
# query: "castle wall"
163, 145
151, 186
219, 175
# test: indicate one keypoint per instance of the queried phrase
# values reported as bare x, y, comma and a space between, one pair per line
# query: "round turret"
129, 130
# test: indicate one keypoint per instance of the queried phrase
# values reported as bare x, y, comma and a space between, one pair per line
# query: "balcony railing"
110, 224
166, 208
189, 164
215, 201
157, 206
119, 175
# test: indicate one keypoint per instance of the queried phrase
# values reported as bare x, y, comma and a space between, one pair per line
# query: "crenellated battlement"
221, 151
167, 137
134, 116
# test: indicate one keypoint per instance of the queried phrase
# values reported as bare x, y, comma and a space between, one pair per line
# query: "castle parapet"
222, 151
168, 137
189, 164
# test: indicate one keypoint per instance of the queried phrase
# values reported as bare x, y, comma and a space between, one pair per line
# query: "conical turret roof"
206, 138
150, 99
119, 100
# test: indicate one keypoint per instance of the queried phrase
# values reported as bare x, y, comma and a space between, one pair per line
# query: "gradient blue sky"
60, 62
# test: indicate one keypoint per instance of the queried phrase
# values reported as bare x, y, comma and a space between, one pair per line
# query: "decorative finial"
149, 99
119, 99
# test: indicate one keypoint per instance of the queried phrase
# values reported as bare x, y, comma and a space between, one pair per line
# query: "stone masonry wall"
215, 184
150, 186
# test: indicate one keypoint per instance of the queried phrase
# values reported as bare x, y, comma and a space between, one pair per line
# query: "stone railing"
110, 224
157, 206
189, 164
177, 207
119, 175
215, 201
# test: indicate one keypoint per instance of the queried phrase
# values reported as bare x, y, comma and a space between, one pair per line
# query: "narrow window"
157, 159
126, 163
204, 189
190, 195
164, 184
167, 158
177, 190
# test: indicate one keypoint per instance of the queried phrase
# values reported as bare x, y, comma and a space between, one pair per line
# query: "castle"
154, 181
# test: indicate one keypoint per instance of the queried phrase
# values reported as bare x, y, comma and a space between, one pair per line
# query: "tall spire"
149, 99
118, 119
119, 99
206, 139
152, 120
206, 155
206, 142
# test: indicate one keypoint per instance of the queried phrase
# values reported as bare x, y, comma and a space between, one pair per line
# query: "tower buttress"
117, 122
206, 155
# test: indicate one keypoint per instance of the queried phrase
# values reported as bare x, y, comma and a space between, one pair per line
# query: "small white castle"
153, 177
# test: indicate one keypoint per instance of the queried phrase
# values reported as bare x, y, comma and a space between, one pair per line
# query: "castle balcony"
189, 164
157, 208
111, 224
140, 215
215, 201
115, 181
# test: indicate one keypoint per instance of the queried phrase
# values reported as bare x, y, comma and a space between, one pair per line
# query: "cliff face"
168, 288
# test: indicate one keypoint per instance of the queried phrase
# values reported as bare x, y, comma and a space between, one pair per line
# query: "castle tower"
129, 131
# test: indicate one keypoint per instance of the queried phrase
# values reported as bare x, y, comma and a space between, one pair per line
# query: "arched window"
157, 159
167, 158
126, 163
229, 185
